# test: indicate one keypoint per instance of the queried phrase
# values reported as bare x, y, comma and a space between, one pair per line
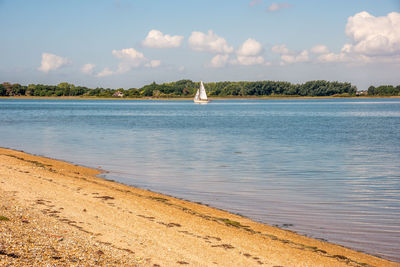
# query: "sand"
53, 212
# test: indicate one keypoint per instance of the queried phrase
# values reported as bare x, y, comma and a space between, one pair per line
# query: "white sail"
196, 97
203, 95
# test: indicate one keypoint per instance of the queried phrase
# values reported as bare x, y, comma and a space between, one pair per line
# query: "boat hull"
201, 101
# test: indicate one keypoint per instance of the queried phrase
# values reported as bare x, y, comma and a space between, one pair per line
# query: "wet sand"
53, 212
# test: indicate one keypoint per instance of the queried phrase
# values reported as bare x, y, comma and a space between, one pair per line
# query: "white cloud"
250, 48
105, 72
131, 56
209, 42
320, 49
278, 6
219, 61
129, 59
332, 57
249, 60
249, 53
154, 63
280, 49
344, 57
289, 57
373, 39
374, 36
88, 69
295, 57
156, 39
52, 62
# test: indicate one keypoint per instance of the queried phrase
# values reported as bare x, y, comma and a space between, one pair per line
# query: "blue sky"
121, 43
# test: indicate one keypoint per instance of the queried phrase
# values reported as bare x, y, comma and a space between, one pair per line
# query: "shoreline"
191, 98
152, 228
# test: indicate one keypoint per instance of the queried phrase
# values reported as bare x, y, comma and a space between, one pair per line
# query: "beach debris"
105, 197
3, 218
225, 246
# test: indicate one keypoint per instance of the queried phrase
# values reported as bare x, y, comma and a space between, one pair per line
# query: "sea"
325, 168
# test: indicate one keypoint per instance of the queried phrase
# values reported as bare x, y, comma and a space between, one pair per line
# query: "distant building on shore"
362, 92
118, 94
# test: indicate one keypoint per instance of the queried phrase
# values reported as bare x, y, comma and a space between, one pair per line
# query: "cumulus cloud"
219, 61
154, 63
134, 57
88, 69
278, 6
280, 49
129, 58
319, 49
250, 48
209, 42
344, 56
156, 39
52, 62
332, 57
105, 72
249, 53
290, 57
374, 36
295, 57
249, 60
373, 39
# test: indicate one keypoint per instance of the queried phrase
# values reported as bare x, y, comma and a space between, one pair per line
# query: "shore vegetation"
187, 89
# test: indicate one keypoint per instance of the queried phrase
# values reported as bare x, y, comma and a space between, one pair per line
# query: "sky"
130, 43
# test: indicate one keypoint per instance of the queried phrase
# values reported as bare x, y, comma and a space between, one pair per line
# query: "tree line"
384, 90
187, 88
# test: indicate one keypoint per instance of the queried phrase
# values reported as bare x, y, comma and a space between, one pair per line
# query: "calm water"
328, 168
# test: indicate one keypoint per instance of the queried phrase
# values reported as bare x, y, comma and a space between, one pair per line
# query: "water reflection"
327, 167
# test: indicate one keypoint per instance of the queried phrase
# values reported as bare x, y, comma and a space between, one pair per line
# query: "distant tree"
147, 90
2, 90
132, 92
8, 87
30, 90
371, 90
384, 90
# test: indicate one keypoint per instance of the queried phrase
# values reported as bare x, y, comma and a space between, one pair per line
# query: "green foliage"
187, 88
2, 90
8, 89
384, 90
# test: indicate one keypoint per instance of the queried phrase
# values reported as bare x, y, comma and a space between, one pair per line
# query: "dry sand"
58, 213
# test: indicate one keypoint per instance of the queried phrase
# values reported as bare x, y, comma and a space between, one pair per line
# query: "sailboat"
201, 95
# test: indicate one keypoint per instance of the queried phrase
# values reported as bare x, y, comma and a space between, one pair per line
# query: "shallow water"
327, 168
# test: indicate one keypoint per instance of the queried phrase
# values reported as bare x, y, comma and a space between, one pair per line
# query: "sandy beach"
53, 212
